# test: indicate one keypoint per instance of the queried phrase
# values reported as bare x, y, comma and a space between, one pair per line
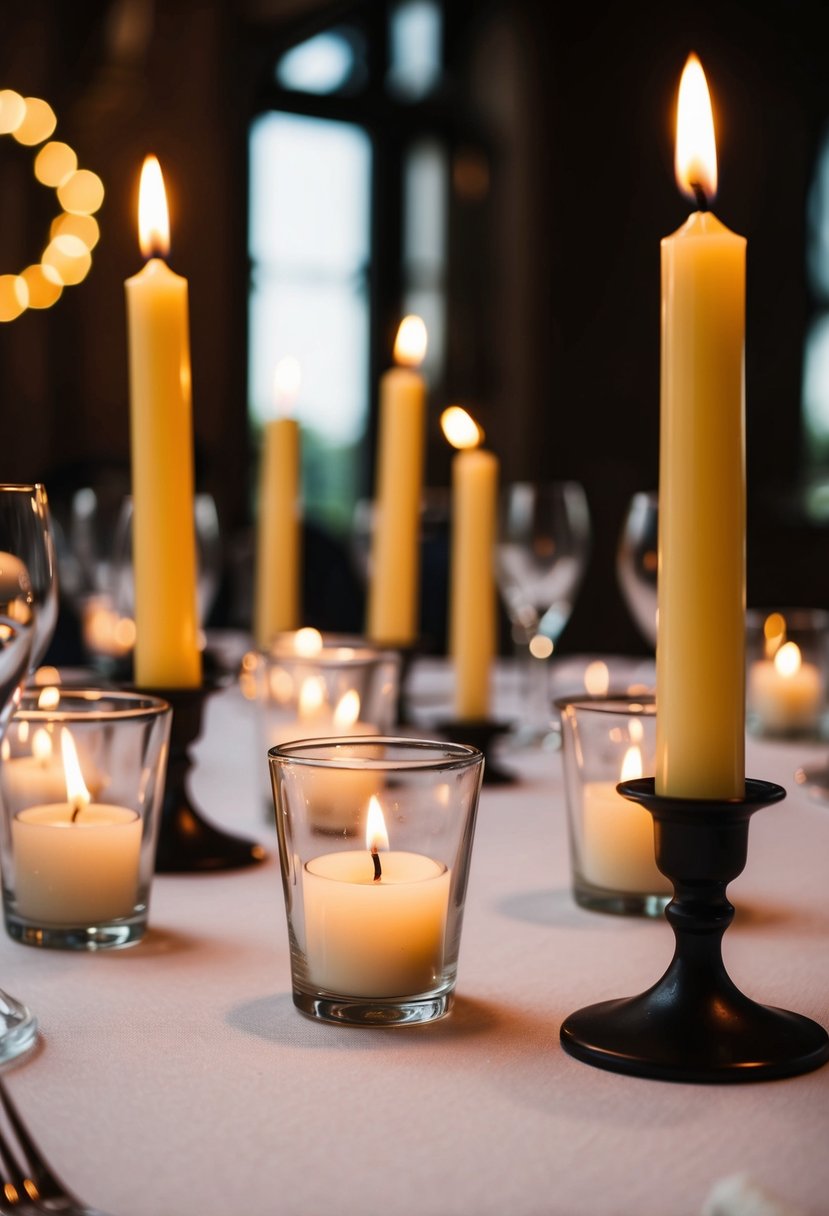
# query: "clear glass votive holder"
375, 908
787, 664
81, 784
606, 740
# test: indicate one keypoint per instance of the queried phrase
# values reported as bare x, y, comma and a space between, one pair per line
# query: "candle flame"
632, 767
41, 745
695, 160
460, 428
774, 633
287, 381
311, 696
76, 792
49, 698
597, 678
410, 343
787, 660
307, 642
376, 835
153, 217
347, 709
636, 730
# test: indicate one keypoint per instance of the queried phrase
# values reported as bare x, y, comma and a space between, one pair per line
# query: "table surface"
177, 1076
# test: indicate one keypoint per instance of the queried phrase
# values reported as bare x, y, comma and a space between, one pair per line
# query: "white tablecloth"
177, 1077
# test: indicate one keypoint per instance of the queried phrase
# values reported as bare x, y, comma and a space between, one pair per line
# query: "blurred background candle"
75, 861
394, 587
785, 694
701, 645
375, 937
472, 602
161, 434
278, 537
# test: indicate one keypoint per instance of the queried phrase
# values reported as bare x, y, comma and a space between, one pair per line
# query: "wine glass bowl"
541, 557
636, 562
28, 615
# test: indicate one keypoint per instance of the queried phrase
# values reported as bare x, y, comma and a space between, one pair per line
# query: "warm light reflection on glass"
410, 343
46, 675
311, 696
541, 647
460, 428
695, 160
153, 216
49, 697
636, 731
69, 258
41, 745
12, 111
307, 642
84, 227
376, 835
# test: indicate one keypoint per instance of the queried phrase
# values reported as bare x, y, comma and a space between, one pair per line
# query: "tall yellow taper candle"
278, 535
700, 650
164, 545
472, 601
394, 586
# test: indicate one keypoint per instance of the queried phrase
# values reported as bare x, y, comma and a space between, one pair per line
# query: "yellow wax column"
472, 600
164, 545
278, 532
394, 586
700, 650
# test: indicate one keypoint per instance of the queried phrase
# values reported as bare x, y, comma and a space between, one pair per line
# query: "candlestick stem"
695, 1024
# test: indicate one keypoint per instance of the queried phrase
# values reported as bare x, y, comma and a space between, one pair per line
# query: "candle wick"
700, 196
375, 857
77, 810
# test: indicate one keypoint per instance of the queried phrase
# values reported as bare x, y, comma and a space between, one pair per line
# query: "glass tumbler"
606, 740
375, 837
81, 784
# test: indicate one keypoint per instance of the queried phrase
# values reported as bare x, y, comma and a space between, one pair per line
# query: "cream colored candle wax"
472, 599
394, 584
278, 532
701, 647
164, 546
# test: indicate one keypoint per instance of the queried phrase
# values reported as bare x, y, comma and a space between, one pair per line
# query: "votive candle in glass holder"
81, 783
605, 740
375, 912
787, 661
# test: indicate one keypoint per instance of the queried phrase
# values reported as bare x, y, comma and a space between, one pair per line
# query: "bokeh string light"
74, 232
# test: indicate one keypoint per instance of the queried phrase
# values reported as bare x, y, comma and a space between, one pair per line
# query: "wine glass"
541, 556
28, 614
636, 562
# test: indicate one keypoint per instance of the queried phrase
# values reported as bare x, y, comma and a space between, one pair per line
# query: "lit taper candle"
164, 544
700, 657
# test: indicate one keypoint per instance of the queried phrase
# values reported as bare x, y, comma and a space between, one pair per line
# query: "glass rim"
610, 703
452, 755
129, 705
363, 651
23, 486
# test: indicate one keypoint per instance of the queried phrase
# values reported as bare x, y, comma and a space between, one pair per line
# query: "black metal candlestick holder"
481, 733
187, 842
695, 1024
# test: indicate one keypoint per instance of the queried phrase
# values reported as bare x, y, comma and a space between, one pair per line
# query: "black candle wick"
375, 857
76, 812
700, 196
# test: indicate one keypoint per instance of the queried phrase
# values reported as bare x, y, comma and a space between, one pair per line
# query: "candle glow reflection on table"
370, 935
75, 861
700, 657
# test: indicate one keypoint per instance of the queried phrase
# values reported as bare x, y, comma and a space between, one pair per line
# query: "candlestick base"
695, 1024
187, 842
480, 733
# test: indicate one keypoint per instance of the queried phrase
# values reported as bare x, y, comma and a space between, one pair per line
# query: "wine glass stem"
534, 689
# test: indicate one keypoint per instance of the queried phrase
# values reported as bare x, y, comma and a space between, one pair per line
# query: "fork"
28, 1184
